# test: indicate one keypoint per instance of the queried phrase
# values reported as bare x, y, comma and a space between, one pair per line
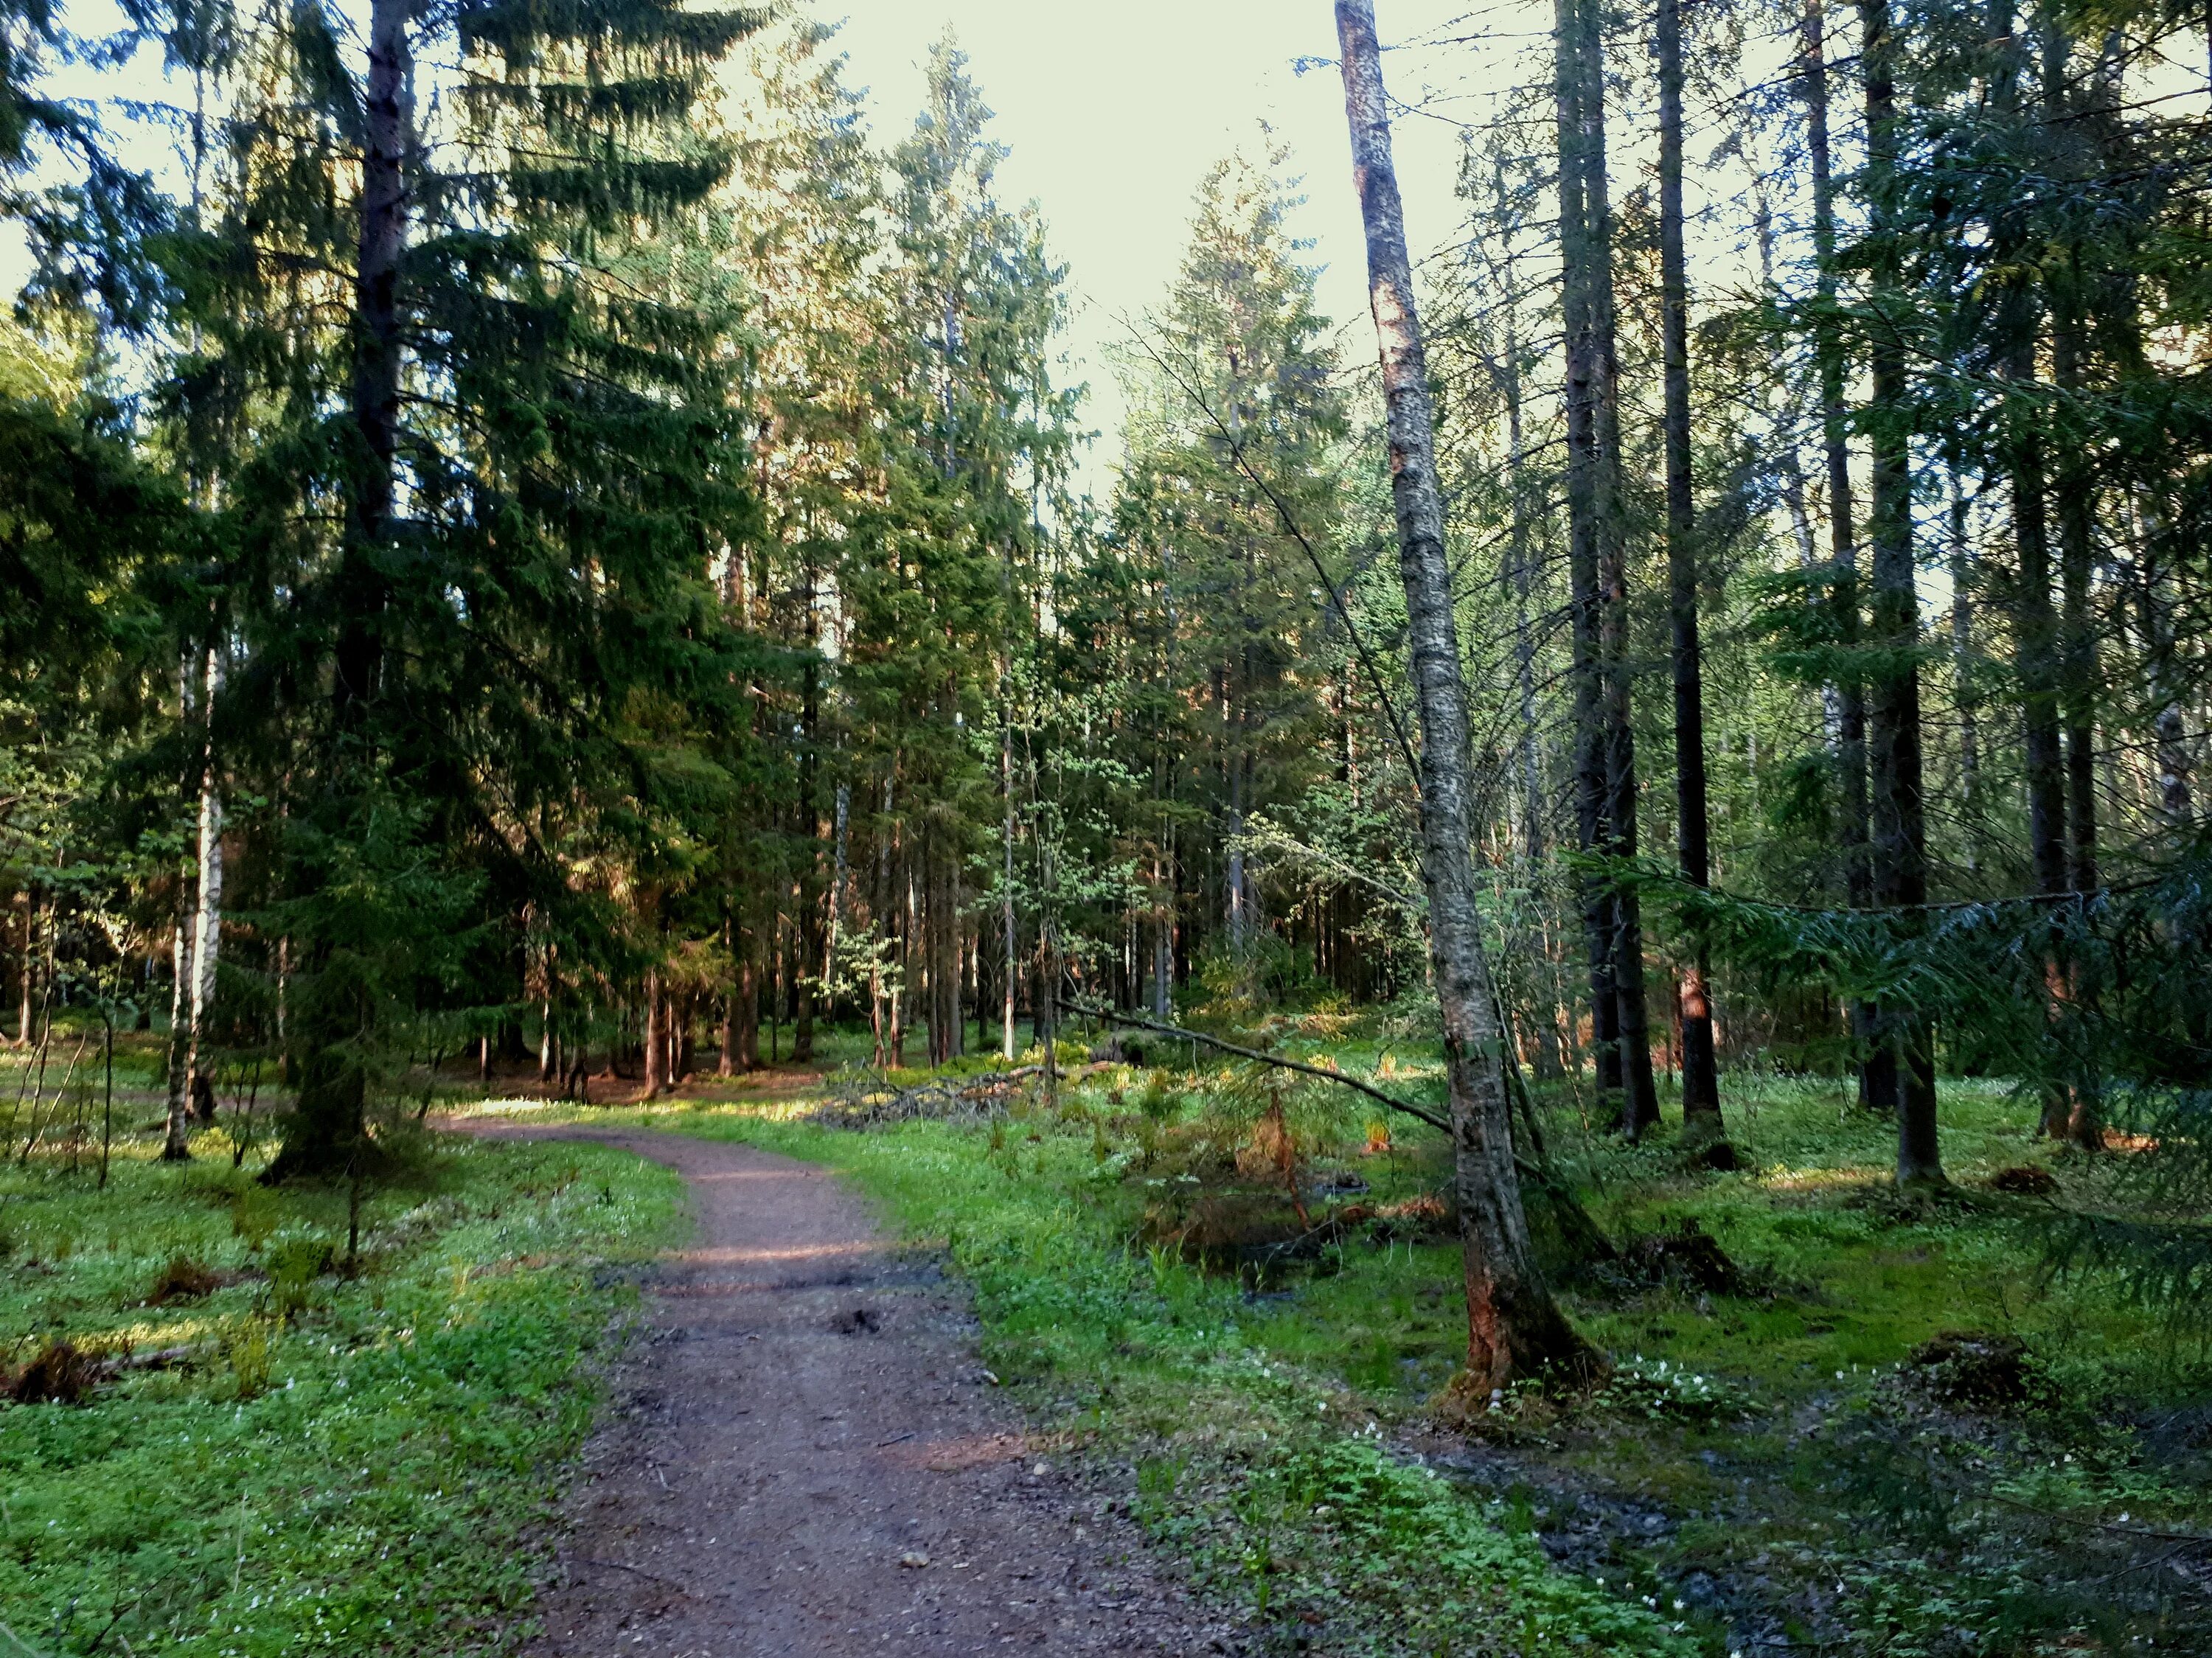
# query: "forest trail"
803, 1412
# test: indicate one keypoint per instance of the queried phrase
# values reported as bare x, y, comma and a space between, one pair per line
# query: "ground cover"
1894, 1432
325, 1460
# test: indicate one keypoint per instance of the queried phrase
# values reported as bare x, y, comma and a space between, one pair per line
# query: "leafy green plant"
1658, 1389
372, 1487
251, 1349
295, 1263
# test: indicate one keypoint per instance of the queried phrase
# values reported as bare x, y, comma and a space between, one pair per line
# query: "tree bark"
2169, 728
1595, 521
656, 1048
1585, 370
1966, 693
1877, 1069
1702, 1125
336, 1023
1900, 836
1514, 1326
207, 912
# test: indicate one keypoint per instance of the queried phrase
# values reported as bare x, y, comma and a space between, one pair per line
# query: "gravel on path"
803, 1456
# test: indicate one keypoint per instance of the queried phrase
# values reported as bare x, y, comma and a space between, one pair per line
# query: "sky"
1114, 110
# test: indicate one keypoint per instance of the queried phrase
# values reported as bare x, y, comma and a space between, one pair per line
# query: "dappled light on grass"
362, 1471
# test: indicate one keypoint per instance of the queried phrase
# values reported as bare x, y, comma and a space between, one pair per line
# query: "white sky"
1114, 111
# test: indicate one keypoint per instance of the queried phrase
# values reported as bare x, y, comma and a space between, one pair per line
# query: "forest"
1536, 961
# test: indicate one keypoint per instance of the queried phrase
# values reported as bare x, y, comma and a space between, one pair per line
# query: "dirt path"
804, 1413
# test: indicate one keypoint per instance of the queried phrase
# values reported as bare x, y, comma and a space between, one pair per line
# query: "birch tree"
1514, 1327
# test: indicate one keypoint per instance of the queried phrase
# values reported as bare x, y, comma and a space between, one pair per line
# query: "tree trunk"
1585, 370
1514, 1326
1702, 1125
2169, 729
1877, 1069
176, 1141
2076, 495
336, 1024
23, 985
1964, 692
207, 915
746, 998
1900, 836
1594, 511
1522, 550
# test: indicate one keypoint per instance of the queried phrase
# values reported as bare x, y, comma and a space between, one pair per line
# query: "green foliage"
1659, 1390
364, 1467
1295, 1513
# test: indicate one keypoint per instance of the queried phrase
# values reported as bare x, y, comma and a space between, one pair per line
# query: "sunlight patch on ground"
1782, 1178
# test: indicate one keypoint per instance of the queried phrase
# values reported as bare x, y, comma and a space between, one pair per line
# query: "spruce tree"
480, 476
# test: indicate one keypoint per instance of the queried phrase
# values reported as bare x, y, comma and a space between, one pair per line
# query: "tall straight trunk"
2037, 654
2078, 632
2169, 728
1237, 891
1522, 547
1898, 816
656, 1045
23, 985
1966, 692
387, 122
333, 1028
1877, 1068
1585, 371
2074, 489
1701, 1092
1009, 928
2035, 633
746, 999
2075, 495
207, 912
727, 1064
1595, 395
1514, 1326
176, 1140
810, 926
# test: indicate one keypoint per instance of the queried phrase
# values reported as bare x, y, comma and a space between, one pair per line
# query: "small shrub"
295, 1264
255, 1215
1660, 1390
182, 1279
251, 1350
1159, 1103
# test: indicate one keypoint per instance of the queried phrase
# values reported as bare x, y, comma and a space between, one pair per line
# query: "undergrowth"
1797, 1462
1270, 1479
326, 1463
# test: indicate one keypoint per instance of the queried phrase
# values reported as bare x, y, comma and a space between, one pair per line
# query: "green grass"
368, 1477
1267, 1474
1808, 1490
366, 1473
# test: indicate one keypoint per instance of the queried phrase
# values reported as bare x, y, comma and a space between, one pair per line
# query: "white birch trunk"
207, 913
1514, 1327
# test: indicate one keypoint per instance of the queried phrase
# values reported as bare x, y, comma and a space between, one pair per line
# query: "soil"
803, 1456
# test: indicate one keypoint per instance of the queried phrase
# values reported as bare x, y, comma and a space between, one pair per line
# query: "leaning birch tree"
1514, 1327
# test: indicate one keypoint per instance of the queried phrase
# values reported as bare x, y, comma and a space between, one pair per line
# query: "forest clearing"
1452, 905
